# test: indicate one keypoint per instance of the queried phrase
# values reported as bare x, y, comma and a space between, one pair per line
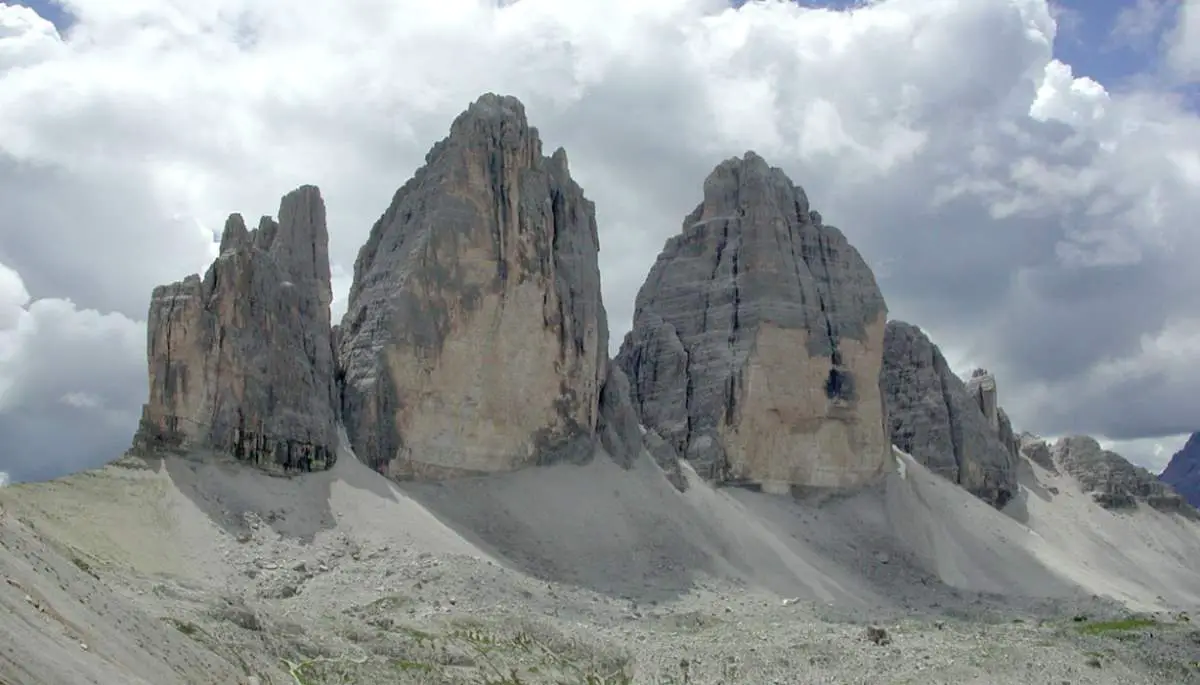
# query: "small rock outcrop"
982, 388
942, 422
1037, 450
475, 338
1112, 481
1183, 471
757, 340
241, 361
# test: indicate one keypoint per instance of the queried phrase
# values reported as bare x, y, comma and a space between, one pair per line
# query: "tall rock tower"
757, 340
241, 361
475, 340
951, 427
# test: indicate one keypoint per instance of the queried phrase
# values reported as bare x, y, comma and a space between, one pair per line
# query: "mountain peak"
1183, 471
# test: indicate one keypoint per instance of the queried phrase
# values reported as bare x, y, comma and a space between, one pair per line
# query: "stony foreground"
196, 571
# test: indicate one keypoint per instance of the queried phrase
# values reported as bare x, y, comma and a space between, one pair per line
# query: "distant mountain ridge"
1183, 471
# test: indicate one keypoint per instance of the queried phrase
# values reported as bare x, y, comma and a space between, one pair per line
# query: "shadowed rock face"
475, 339
941, 421
1113, 482
757, 340
242, 361
1037, 450
1183, 471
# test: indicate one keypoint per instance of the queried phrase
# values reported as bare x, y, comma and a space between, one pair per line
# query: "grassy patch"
1118, 626
186, 627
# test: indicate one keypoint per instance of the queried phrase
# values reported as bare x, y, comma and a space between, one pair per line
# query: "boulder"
475, 339
1183, 471
938, 419
241, 361
757, 340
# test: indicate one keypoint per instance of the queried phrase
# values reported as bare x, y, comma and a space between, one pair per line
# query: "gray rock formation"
1113, 482
242, 361
475, 339
982, 388
756, 343
1183, 471
1037, 450
937, 419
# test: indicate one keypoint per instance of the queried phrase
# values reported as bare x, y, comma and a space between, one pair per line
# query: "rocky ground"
380, 590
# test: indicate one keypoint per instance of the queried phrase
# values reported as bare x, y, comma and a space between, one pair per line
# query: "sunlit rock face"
757, 340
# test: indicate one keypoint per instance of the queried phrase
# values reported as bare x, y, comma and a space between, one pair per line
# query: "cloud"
1183, 53
1140, 23
1033, 220
71, 382
1152, 453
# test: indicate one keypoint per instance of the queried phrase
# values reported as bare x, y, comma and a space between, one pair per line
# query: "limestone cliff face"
1113, 482
942, 422
241, 361
475, 338
982, 388
757, 340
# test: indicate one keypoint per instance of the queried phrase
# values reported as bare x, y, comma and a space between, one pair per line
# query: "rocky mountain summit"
956, 429
1183, 471
757, 340
1112, 481
241, 361
476, 340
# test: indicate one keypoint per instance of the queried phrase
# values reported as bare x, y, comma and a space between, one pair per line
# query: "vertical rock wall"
475, 339
757, 340
941, 421
241, 361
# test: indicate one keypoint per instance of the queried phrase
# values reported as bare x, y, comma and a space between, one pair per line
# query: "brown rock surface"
475, 339
757, 340
242, 361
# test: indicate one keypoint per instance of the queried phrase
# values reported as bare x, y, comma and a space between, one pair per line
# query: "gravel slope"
201, 571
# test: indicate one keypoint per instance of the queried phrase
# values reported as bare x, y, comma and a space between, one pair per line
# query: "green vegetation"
1118, 626
186, 627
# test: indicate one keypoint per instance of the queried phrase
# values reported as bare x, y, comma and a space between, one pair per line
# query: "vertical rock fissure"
955, 430
500, 209
734, 328
558, 212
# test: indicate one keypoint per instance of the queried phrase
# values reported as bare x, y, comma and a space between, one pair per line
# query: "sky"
1023, 176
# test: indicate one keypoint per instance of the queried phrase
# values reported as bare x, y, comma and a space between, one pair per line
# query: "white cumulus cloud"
1038, 221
